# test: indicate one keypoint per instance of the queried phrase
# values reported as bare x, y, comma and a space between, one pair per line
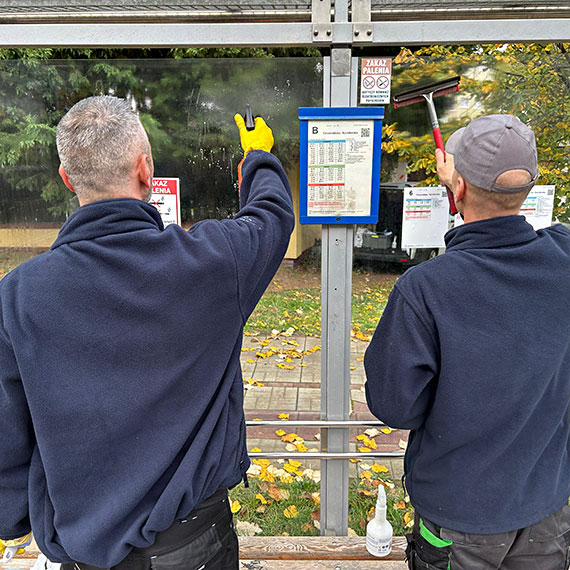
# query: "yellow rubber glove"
15, 546
260, 138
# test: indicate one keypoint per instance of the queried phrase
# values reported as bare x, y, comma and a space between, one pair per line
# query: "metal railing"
323, 425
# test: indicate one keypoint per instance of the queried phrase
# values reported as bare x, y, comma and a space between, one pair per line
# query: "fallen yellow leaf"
280, 432
255, 450
386, 430
283, 416
290, 437
291, 512
261, 498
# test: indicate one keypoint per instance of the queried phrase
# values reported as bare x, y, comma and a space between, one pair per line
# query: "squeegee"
427, 94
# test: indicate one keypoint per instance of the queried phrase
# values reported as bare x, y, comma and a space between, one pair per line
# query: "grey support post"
336, 294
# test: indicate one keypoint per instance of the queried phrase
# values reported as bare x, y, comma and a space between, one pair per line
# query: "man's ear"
65, 178
144, 170
459, 189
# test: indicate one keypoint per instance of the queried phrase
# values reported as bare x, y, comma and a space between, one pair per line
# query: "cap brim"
454, 140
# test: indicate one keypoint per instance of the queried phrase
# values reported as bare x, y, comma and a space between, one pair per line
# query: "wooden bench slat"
313, 548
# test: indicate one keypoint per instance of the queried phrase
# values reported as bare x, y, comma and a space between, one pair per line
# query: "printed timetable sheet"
339, 167
425, 217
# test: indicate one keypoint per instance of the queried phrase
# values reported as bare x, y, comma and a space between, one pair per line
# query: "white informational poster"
165, 198
538, 206
375, 81
339, 160
425, 218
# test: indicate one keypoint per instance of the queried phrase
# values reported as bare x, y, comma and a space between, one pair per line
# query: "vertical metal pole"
336, 288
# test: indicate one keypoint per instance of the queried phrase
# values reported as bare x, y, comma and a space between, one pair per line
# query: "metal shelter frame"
337, 25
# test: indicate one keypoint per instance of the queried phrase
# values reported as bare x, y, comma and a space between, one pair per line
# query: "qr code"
365, 132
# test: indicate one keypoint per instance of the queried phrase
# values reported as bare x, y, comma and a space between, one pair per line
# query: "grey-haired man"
121, 392
472, 354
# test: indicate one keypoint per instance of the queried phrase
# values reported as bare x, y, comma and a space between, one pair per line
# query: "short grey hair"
98, 141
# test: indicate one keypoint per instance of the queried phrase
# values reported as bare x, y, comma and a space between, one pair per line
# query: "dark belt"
212, 509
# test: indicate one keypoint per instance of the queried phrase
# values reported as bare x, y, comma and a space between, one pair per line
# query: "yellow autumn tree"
531, 81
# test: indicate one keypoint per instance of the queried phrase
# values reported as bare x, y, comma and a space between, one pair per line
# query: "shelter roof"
282, 10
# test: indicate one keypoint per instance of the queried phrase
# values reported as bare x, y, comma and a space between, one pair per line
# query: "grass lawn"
300, 307
281, 508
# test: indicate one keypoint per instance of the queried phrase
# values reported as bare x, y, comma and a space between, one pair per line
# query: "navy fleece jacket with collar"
472, 354
121, 392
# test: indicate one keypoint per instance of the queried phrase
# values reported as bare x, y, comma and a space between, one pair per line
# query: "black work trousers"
542, 546
204, 540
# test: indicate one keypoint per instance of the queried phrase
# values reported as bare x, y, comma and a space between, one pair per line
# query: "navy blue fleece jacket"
121, 392
472, 354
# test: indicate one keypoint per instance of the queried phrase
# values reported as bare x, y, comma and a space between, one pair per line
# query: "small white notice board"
538, 206
425, 218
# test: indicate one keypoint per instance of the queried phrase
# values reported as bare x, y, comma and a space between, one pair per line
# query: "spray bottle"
379, 530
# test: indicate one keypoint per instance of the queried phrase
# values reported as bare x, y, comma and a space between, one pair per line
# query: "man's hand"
15, 546
445, 167
260, 138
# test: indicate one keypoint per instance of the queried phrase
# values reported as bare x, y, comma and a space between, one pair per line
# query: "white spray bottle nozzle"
381, 500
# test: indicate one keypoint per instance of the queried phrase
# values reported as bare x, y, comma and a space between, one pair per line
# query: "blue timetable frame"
307, 114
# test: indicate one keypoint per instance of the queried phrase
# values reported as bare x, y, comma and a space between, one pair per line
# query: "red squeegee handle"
439, 144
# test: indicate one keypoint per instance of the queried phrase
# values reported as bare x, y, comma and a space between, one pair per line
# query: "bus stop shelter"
338, 27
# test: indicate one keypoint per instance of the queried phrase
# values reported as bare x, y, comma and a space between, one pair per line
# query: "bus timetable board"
340, 164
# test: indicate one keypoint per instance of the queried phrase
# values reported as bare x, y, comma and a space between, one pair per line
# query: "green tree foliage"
186, 100
531, 81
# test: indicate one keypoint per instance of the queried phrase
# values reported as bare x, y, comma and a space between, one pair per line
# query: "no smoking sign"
375, 81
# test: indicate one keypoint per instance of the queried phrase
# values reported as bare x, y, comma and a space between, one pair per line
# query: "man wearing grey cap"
472, 354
